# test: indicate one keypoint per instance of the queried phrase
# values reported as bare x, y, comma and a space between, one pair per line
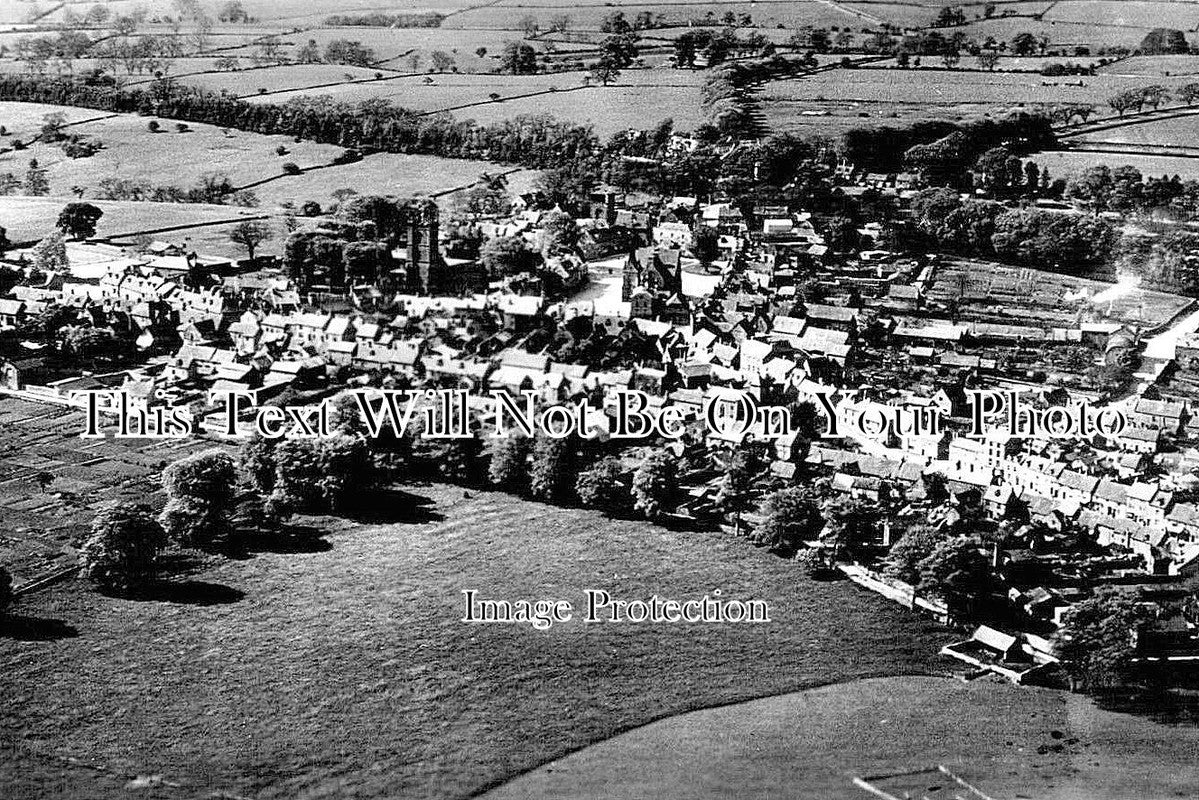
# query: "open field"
846, 98
1129, 13
1155, 66
169, 158
589, 14
344, 671
29, 218
1178, 131
1063, 164
1008, 741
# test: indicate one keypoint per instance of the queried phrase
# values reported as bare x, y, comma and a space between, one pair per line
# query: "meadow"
30, 218
341, 668
171, 158
1009, 741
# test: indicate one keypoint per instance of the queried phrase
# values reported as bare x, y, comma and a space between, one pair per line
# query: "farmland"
173, 158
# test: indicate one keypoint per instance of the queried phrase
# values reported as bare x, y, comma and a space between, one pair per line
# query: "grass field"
1009, 741
1062, 164
345, 671
179, 159
29, 218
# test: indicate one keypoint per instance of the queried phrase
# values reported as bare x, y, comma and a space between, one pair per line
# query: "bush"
291, 168
200, 497
153, 126
311, 209
601, 487
509, 463
321, 475
654, 484
788, 519
551, 459
119, 553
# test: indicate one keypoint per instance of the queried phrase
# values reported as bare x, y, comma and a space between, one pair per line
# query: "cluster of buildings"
781, 317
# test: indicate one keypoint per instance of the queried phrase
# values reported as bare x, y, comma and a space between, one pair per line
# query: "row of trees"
536, 141
1154, 96
1072, 243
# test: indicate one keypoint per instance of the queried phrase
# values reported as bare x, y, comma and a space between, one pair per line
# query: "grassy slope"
995, 735
347, 671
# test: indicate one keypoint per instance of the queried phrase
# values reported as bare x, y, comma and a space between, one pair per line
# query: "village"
683, 301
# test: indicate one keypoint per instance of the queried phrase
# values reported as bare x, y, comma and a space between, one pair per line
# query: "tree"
37, 182
44, 480
916, 544
1125, 101
1154, 95
957, 570
559, 234
989, 60
548, 478
50, 254
250, 234
655, 484
509, 462
705, 244
326, 475
200, 494
1097, 640
789, 518
1164, 41
1046, 240
461, 460
601, 486
1024, 44
88, 344
258, 462
507, 255
442, 61
78, 220
518, 58
849, 524
737, 481
121, 548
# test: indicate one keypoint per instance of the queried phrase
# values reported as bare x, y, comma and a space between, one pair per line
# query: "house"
12, 313
1015, 658
657, 270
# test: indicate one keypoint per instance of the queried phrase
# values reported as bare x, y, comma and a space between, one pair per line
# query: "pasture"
344, 669
171, 158
1009, 741
1066, 163
30, 218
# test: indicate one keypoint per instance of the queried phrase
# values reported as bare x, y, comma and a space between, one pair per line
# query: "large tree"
655, 484
250, 234
121, 548
789, 518
601, 486
78, 220
200, 491
1097, 641
957, 570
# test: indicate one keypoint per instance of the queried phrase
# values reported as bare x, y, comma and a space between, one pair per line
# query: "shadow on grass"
190, 593
289, 539
394, 506
35, 629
